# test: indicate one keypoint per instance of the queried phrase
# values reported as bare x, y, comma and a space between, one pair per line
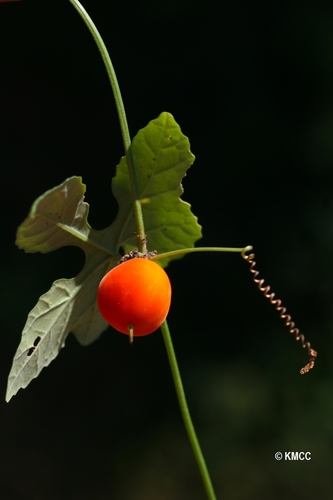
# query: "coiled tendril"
277, 303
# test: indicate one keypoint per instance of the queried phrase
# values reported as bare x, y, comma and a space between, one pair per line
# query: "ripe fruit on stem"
134, 297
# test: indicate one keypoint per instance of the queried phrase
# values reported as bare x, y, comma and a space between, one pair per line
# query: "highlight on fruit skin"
135, 297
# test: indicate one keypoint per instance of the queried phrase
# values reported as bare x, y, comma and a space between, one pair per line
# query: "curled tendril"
277, 303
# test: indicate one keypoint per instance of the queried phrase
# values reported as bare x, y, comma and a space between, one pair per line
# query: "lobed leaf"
59, 218
161, 156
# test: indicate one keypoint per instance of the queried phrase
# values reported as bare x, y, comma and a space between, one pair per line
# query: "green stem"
186, 413
123, 122
183, 251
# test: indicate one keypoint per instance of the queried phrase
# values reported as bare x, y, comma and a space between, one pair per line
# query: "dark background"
251, 85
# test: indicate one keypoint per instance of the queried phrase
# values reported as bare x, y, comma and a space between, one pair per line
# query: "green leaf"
59, 218
161, 156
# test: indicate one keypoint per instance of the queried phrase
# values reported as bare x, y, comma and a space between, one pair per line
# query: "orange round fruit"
135, 296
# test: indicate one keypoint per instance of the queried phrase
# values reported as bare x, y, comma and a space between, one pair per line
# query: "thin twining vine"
277, 303
137, 209
265, 289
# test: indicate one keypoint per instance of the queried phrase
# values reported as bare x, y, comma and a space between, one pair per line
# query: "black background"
251, 85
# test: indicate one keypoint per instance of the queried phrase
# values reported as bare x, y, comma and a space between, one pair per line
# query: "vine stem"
186, 413
142, 243
137, 209
184, 251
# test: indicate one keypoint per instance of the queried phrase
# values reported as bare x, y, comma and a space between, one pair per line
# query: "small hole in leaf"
31, 350
37, 340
